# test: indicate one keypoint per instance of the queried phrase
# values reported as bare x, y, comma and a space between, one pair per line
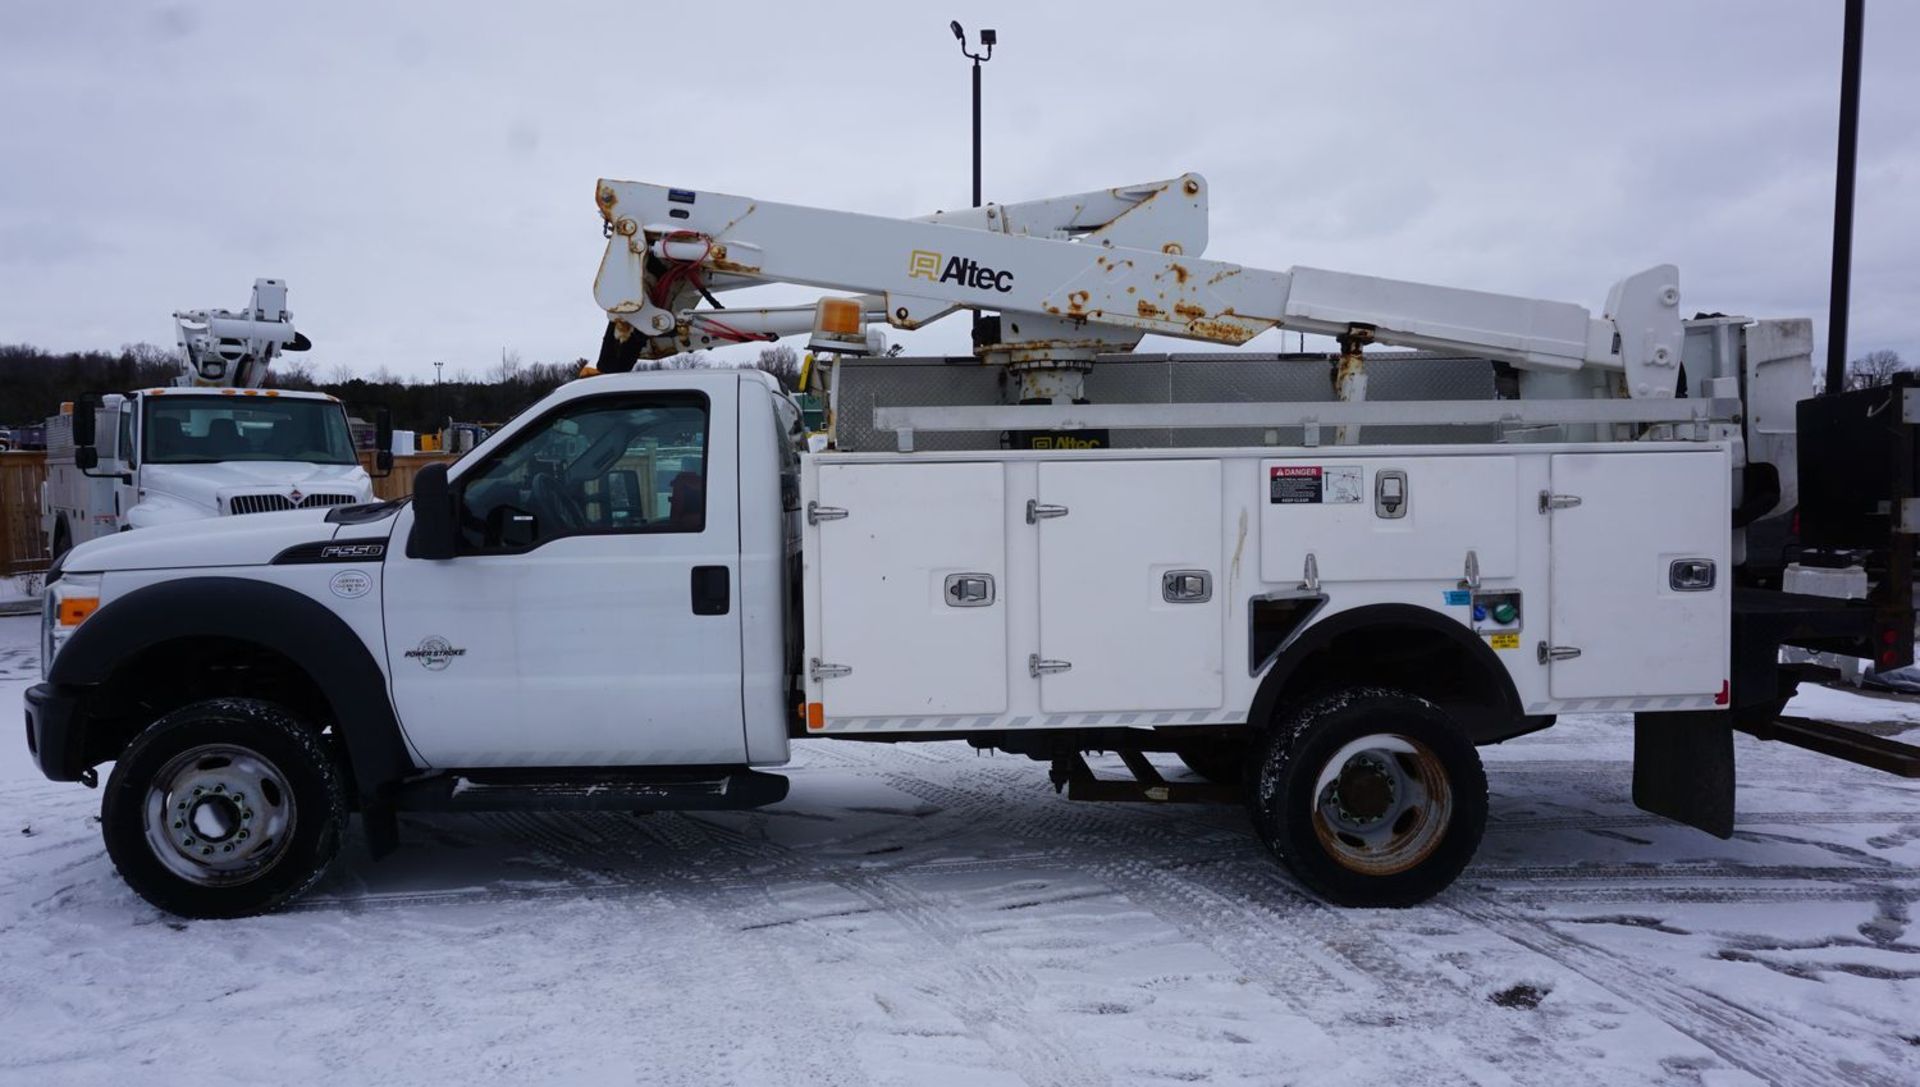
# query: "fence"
23, 549
400, 483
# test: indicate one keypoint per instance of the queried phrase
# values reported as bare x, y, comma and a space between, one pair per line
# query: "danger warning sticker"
1300, 484
1290, 485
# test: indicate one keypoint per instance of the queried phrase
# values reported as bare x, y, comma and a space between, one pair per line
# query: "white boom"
223, 349
1077, 276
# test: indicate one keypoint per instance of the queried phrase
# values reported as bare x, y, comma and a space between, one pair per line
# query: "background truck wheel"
223, 808
1371, 797
62, 539
1222, 762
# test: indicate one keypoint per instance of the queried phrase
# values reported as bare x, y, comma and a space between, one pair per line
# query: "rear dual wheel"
1371, 797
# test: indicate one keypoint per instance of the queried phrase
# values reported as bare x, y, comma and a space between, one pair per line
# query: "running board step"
1841, 742
703, 788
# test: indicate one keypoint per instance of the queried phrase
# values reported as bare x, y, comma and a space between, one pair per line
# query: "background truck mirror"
383, 442
85, 412
435, 530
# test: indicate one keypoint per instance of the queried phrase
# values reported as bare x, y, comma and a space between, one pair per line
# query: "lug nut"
219, 788
205, 850
197, 790
188, 840
179, 824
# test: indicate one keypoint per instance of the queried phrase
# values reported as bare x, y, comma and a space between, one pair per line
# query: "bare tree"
509, 368
783, 363
1874, 369
293, 374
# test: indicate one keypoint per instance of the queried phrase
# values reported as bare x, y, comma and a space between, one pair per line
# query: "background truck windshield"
204, 429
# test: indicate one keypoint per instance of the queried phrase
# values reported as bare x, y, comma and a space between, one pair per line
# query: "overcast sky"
422, 174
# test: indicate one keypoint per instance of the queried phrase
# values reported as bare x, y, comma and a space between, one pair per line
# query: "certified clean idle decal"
351, 584
434, 653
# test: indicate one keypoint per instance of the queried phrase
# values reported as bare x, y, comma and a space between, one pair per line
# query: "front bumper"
55, 732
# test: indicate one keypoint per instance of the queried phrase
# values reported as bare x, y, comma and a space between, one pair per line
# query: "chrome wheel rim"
1381, 804
219, 814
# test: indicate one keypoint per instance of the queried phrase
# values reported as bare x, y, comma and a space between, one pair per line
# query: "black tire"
1417, 806
62, 539
221, 769
1222, 762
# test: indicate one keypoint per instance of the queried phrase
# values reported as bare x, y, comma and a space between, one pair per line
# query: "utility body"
641, 592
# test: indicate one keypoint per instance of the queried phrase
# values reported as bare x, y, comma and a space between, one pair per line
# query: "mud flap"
1683, 768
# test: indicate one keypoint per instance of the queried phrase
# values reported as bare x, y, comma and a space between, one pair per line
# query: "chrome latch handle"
1037, 667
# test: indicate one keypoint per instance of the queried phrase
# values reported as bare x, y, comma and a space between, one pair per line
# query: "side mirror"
435, 531
86, 411
383, 442
512, 528
86, 417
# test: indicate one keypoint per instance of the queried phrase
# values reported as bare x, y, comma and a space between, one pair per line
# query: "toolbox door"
1130, 586
912, 596
1640, 584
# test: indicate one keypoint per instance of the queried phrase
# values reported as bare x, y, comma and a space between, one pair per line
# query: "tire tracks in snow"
1759, 1044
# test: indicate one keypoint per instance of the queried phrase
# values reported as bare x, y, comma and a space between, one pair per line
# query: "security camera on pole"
988, 39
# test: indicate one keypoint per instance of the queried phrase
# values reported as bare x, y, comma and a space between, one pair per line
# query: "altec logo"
928, 265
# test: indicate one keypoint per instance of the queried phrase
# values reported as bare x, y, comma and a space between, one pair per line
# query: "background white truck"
641, 591
215, 444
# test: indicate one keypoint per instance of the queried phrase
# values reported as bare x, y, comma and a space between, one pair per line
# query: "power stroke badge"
434, 653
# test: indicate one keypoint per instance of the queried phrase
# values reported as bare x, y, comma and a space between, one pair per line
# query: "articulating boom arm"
221, 349
1077, 276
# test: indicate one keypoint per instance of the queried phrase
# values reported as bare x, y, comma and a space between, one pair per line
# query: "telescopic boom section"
1108, 265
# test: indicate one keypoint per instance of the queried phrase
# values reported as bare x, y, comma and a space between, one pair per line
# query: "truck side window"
619, 464
125, 450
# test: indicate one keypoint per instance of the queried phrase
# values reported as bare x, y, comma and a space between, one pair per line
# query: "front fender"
272, 616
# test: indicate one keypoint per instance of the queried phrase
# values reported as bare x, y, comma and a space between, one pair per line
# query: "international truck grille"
269, 503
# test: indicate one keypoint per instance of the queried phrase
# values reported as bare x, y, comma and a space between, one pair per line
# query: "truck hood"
207, 487
249, 540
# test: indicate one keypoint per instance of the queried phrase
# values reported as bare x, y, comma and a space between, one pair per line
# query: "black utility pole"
988, 39
1843, 197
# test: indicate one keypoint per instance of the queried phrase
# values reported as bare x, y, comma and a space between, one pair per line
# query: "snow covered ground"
921, 915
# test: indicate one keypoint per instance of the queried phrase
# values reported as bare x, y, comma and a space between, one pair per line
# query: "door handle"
711, 591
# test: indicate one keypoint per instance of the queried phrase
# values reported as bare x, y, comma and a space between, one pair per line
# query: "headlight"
68, 603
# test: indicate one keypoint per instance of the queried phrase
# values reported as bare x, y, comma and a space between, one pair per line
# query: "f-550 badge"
928, 265
434, 653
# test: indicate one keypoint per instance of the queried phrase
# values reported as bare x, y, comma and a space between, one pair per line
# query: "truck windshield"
206, 429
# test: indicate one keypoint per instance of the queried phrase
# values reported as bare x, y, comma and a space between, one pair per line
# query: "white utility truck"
213, 444
642, 591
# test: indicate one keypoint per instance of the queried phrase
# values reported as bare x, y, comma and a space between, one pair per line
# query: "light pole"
987, 39
1837, 302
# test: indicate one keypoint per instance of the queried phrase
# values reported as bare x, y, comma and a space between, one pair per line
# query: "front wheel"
224, 808
1371, 797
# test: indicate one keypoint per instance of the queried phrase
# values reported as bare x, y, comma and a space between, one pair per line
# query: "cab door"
590, 617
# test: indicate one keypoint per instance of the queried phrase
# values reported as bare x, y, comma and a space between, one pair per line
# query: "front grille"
269, 503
